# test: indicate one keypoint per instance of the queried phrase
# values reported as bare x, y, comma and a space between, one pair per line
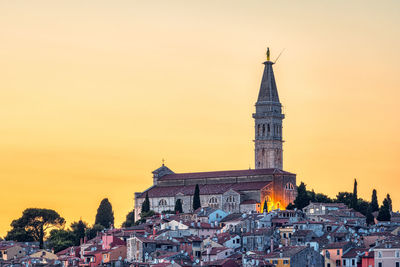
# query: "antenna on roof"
279, 55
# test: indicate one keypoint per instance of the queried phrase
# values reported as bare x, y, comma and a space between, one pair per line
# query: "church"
235, 191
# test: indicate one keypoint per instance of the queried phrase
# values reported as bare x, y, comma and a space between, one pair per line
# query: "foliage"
178, 206
370, 217
291, 206
168, 212
79, 231
344, 197
61, 239
19, 234
105, 214
384, 211
374, 201
265, 207
91, 232
362, 206
34, 223
130, 219
389, 202
143, 216
303, 198
146, 204
196, 198
354, 197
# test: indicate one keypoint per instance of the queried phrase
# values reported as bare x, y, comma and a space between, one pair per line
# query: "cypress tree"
384, 211
390, 202
354, 197
265, 207
196, 198
374, 201
146, 204
178, 206
105, 214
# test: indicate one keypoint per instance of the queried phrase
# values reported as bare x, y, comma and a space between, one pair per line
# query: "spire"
268, 91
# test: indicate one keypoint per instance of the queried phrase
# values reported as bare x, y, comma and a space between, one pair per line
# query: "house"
229, 240
140, 248
313, 210
258, 240
294, 256
352, 258
113, 254
216, 253
210, 215
10, 250
368, 259
221, 263
387, 254
333, 253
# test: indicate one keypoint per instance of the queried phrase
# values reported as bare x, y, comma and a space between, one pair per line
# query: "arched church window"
269, 128
289, 186
213, 202
162, 202
263, 129
258, 129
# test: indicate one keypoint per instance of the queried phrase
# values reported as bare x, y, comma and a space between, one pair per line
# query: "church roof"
268, 91
206, 189
218, 174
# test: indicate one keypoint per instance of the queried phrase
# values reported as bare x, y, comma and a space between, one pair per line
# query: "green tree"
196, 198
390, 202
322, 198
265, 207
291, 206
363, 206
19, 234
130, 219
302, 198
105, 214
354, 197
369, 216
384, 211
60, 239
79, 230
344, 197
36, 222
146, 204
91, 232
374, 201
178, 206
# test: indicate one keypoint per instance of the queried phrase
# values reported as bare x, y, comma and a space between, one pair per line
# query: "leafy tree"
146, 204
105, 214
79, 230
362, 206
384, 211
302, 198
92, 232
130, 219
178, 206
354, 197
61, 239
390, 202
291, 206
374, 201
344, 197
19, 234
196, 198
322, 198
36, 222
370, 217
143, 216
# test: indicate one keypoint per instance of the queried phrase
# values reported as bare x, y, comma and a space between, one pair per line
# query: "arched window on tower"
289, 186
258, 130
269, 128
162, 202
213, 203
263, 127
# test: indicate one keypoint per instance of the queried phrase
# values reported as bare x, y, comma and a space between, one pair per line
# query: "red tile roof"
216, 174
207, 189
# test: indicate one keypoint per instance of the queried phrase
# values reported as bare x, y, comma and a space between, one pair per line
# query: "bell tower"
268, 122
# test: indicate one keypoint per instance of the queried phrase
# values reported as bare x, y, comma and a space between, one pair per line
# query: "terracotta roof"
248, 202
354, 252
336, 245
207, 189
217, 174
287, 252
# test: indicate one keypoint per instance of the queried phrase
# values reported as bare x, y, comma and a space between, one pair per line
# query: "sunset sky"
93, 94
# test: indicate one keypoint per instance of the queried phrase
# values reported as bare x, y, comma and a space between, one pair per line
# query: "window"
397, 264
162, 202
353, 262
337, 262
338, 252
379, 264
289, 186
263, 129
285, 262
379, 254
269, 128
213, 202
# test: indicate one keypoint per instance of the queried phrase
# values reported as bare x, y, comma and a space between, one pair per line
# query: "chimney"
272, 245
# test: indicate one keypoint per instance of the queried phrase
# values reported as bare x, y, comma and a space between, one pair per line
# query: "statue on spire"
267, 53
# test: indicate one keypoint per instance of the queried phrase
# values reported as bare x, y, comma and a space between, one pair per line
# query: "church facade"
235, 190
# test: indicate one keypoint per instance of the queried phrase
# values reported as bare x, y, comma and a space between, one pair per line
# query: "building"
234, 190
387, 254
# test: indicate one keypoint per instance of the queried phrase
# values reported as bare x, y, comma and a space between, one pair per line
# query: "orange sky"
93, 94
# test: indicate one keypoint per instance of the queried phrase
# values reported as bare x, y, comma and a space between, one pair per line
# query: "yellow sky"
93, 94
